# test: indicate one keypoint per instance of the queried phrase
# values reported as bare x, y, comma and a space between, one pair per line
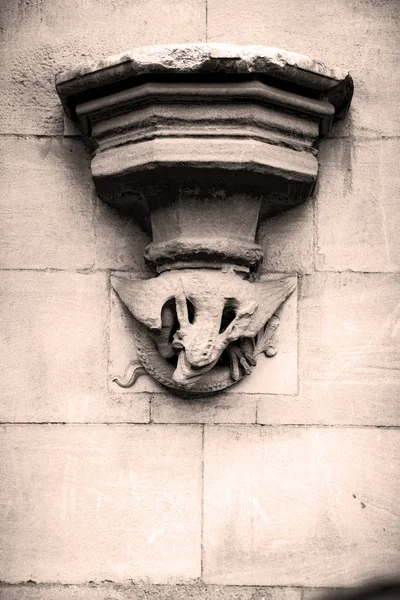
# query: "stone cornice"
297, 70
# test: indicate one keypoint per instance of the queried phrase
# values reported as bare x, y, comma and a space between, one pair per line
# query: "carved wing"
144, 298
268, 295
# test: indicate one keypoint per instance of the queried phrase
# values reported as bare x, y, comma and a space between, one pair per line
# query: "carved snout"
187, 375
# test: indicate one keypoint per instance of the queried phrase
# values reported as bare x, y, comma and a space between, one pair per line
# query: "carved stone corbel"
198, 143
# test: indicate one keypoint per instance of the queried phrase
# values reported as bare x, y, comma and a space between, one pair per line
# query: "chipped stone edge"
195, 57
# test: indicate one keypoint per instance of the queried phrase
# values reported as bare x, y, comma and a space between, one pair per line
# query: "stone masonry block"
357, 203
47, 204
336, 403
146, 592
43, 38
120, 243
100, 502
288, 240
361, 36
277, 375
221, 408
53, 347
349, 352
300, 506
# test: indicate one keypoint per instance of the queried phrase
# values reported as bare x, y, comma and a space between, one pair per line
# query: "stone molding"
198, 143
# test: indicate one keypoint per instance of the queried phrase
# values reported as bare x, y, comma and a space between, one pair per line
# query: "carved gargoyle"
200, 330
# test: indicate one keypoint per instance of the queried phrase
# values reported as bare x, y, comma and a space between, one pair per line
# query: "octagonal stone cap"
297, 69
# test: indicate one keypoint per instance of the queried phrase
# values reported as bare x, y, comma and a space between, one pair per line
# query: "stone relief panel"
271, 375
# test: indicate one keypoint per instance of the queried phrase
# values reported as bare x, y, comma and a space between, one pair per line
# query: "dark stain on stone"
363, 505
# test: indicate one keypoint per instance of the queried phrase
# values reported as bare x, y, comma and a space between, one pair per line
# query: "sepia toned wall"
287, 483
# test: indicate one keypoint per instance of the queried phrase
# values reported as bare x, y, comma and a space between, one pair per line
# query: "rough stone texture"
50, 216
322, 403
287, 240
198, 343
53, 350
53, 345
122, 351
358, 208
47, 204
42, 38
120, 242
360, 35
349, 350
195, 58
147, 592
300, 506
222, 408
111, 502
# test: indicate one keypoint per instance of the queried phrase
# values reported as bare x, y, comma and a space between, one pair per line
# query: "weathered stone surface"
205, 58
123, 351
175, 163
39, 39
147, 592
120, 242
275, 375
349, 349
357, 206
92, 503
222, 408
359, 35
53, 347
54, 351
333, 403
288, 240
300, 506
46, 204
215, 315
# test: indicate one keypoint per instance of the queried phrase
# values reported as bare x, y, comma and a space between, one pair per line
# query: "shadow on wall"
374, 591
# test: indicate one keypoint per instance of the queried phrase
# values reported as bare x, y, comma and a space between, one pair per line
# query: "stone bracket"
199, 143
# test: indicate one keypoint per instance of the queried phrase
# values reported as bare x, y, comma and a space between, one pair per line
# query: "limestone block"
107, 502
221, 408
146, 592
358, 35
276, 375
333, 403
300, 506
53, 346
357, 206
46, 204
120, 242
349, 349
288, 240
45, 37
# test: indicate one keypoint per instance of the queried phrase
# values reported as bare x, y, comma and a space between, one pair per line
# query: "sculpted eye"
228, 314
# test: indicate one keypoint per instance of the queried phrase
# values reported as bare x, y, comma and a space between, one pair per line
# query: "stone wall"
268, 491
